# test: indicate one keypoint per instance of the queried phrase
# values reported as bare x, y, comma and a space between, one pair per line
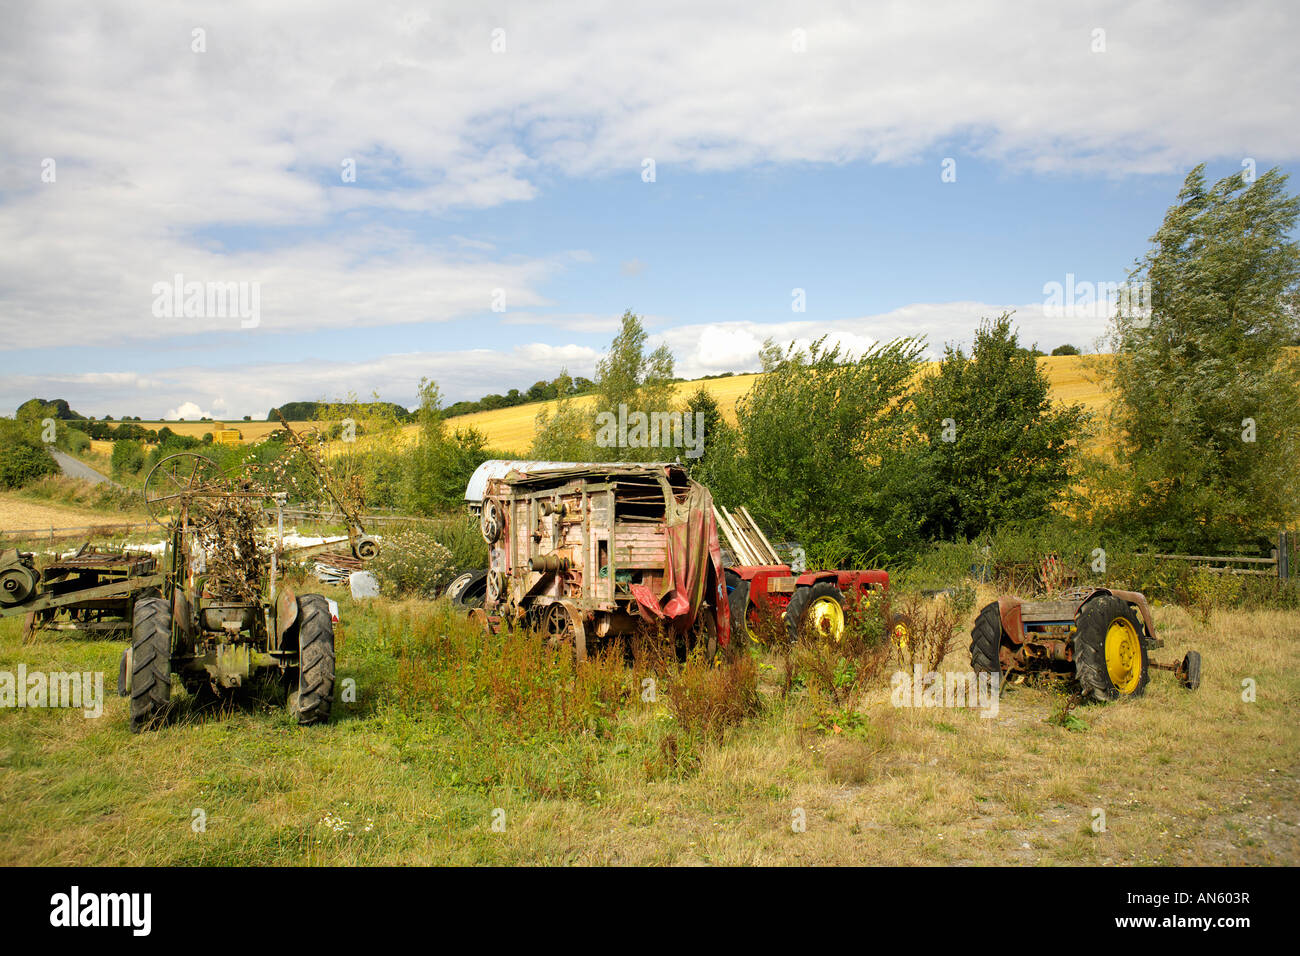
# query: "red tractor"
766, 593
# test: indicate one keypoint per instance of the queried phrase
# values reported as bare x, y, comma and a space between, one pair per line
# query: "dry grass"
1183, 778
251, 431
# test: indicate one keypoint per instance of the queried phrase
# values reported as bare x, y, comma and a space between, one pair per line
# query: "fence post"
1283, 556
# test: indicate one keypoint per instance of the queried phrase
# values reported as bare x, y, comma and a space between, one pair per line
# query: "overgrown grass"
75, 491
440, 731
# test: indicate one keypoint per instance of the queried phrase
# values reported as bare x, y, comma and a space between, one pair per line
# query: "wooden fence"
1278, 565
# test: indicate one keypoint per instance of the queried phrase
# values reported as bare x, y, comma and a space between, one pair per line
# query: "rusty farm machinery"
1100, 637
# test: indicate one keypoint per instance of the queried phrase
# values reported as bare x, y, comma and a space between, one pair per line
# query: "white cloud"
157, 145
188, 411
253, 389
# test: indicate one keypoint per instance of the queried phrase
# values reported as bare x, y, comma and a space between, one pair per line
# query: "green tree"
442, 461
814, 431
718, 466
23, 457
626, 375
1065, 350
128, 457
565, 434
1206, 403
990, 447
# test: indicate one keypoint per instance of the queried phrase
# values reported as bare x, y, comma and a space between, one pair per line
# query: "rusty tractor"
221, 616
590, 552
1101, 637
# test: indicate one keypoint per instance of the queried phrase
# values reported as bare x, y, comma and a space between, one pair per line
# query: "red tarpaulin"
690, 546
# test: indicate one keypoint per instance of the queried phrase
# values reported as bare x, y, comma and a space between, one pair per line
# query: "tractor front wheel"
1110, 657
315, 693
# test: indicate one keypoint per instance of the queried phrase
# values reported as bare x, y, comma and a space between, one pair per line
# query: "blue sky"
519, 169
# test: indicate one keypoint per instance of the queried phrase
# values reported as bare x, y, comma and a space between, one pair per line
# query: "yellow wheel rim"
901, 636
1123, 655
826, 618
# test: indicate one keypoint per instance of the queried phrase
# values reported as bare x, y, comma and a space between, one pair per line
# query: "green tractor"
220, 617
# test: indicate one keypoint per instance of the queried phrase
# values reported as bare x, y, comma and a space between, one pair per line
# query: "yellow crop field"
250, 431
511, 429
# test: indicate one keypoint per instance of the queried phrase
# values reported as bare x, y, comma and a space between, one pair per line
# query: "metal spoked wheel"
170, 490
562, 629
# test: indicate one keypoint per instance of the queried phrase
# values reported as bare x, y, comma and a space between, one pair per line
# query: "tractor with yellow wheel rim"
775, 601
1101, 637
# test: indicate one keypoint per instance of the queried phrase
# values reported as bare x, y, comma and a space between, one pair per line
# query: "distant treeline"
310, 411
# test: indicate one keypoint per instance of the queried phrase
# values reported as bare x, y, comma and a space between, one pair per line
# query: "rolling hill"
511, 429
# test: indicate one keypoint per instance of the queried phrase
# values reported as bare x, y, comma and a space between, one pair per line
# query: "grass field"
511, 429
446, 736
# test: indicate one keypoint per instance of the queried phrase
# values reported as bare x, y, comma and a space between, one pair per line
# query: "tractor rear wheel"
703, 637
986, 641
742, 634
315, 692
149, 661
816, 611
1110, 656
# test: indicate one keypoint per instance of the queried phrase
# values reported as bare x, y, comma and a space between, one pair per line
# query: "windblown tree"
814, 429
1207, 393
993, 449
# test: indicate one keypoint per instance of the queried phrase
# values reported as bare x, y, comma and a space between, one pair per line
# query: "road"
76, 469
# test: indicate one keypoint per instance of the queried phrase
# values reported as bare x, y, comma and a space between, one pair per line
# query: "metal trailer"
1100, 636
589, 552
92, 591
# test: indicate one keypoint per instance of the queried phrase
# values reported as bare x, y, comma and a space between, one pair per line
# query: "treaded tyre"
808, 603
986, 641
467, 589
315, 661
737, 608
149, 661
1110, 651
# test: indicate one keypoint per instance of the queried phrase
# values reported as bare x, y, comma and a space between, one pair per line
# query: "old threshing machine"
590, 552
91, 591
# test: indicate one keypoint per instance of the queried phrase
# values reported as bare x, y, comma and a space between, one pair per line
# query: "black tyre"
986, 641
703, 637
1110, 651
150, 661
1189, 672
818, 609
315, 693
467, 590
738, 611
